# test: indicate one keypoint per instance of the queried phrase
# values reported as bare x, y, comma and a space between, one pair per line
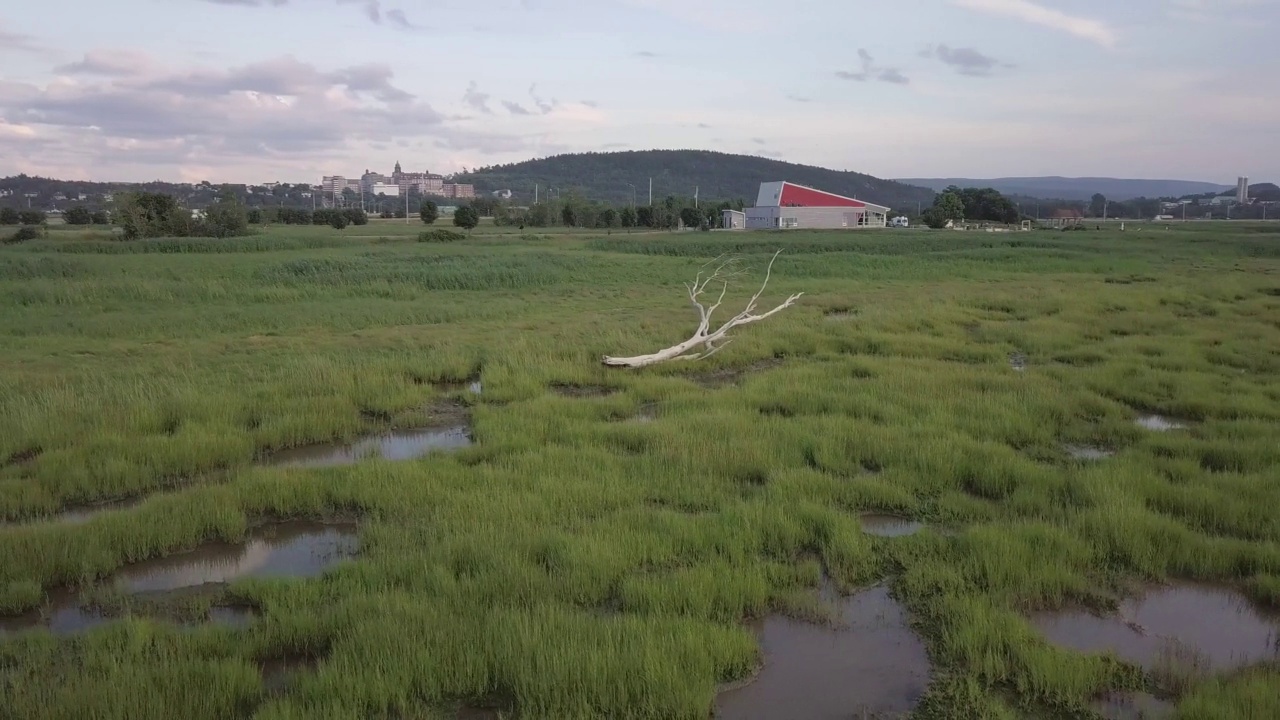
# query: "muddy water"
872, 665
1132, 706
61, 614
574, 390
396, 445
1159, 423
291, 549
883, 525
1087, 452
1218, 625
278, 673
475, 387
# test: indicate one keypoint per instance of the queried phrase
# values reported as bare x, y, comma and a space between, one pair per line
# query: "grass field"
575, 563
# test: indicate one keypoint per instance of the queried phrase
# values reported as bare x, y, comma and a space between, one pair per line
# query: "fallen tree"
710, 341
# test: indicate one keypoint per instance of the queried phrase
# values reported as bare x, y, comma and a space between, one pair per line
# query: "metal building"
734, 220
787, 206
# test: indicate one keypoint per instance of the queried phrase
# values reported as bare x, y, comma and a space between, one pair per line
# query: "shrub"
26, 232
78, 215
440, 236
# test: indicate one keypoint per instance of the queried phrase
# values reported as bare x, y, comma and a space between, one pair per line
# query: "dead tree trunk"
711, 341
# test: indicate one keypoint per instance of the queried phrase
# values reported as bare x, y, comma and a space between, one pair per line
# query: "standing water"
872, 665
396, 445
291, 549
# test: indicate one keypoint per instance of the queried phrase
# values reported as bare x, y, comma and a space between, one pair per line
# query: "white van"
900, 221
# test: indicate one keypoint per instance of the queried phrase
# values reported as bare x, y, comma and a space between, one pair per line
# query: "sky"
290, 90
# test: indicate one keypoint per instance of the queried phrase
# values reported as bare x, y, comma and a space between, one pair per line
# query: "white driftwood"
711, 341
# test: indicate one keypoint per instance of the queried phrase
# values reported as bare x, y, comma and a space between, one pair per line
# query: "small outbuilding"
734, 220
787, 206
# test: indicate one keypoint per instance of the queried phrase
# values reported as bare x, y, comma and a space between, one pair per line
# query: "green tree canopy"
78, 215
227, 217
429, 213
466, 218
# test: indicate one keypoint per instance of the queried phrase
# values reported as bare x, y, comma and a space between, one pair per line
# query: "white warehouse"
787, 206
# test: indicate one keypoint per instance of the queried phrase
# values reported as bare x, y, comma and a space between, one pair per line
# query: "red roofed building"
787, 206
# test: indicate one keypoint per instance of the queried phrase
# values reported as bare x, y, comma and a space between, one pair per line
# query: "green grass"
576, 564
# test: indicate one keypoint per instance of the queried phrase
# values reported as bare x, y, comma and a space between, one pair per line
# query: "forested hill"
718, 176
1064, 188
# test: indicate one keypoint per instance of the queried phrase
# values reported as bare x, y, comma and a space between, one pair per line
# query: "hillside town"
397, 184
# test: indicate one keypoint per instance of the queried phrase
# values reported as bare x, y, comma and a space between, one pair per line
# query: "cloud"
544, 106
1089, 29
476, 99
109, 63
966, 61
799, 99
275, 113
646, 54
704, 126
891, 75
19, 42
373, 9
759, 141
283, 76
397, 17
872, 71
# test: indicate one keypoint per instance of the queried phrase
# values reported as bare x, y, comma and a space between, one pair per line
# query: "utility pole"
535, 194
650, 192
695, 197
633, 195
406, 206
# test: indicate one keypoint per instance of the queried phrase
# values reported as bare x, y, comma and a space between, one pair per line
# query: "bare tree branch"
713, 342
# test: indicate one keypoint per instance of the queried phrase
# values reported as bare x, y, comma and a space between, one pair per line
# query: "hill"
1064, 188
718, 176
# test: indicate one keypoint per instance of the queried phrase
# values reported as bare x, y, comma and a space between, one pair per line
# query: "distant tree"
466, 218
539, 215
78, 215
429, 213
8, 216
485, 205
32, 217
152, 214
569, 216
607, 218
100, 217
645, 216
946, 207
691, 217
356, 216
256, 216
338, 220
627, 217
1098, 205
227, 217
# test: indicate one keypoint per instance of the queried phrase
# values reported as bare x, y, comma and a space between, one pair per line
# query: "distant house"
1065, 217
734, 220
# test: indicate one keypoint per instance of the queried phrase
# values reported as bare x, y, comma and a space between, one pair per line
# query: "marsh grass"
575, 564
